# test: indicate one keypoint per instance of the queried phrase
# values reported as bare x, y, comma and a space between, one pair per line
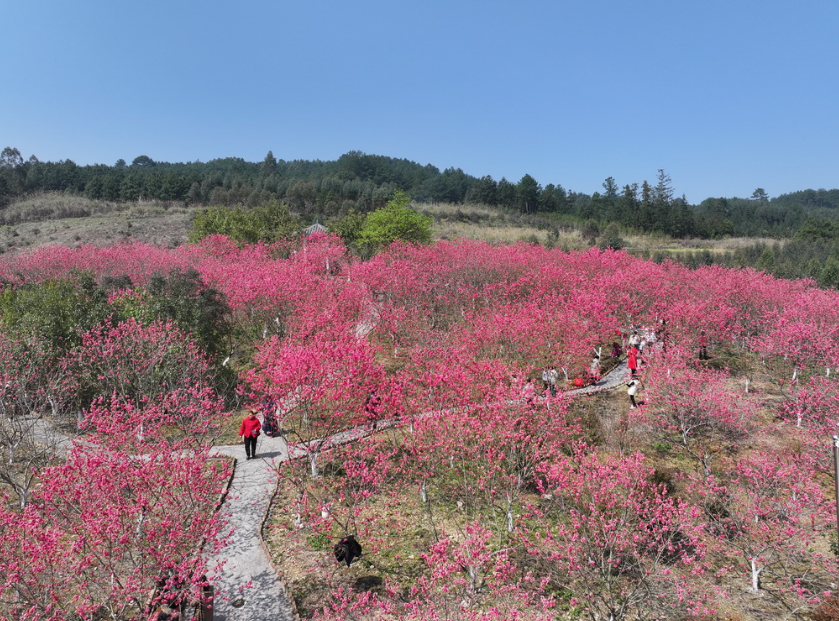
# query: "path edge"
267, 550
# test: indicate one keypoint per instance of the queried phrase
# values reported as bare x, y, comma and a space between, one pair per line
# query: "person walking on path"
528, 392
249, 430
632, 361
662, 334
631, 389
594, 369
373, 409
634, 340
553, 376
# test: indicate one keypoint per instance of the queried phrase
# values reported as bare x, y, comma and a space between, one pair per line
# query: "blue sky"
724, 96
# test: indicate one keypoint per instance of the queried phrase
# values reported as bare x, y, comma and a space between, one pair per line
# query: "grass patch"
388, 527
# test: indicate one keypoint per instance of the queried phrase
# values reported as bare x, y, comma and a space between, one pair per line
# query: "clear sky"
725, 96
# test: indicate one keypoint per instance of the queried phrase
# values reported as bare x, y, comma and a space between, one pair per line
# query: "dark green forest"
805, 222
361, 182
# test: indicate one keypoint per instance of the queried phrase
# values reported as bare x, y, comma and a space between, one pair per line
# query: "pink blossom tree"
620, 545
771, 517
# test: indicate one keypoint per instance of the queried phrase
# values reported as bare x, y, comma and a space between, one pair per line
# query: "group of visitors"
549, 379
637, 343
638, 340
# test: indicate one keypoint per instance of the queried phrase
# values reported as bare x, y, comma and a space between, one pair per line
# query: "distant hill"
362, 182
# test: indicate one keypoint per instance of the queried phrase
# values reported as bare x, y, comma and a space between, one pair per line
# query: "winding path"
248, 575
612, 379
248, 587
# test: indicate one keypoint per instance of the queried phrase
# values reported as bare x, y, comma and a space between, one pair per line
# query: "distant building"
316, 229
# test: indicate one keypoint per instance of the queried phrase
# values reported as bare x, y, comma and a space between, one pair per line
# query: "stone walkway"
612, 379
247, 587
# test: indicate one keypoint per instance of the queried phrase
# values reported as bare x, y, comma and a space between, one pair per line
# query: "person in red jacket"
632, 361
249, 430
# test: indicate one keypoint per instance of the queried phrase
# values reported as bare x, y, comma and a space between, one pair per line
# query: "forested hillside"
362, 182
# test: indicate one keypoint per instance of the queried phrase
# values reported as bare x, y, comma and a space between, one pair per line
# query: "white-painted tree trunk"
473, 577
313, 464
298, 520
510, 522
755, 575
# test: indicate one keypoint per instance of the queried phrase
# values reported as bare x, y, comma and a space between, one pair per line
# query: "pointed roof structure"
316, 228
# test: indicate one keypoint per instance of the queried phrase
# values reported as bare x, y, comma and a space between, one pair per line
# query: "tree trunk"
755, 575
313, 463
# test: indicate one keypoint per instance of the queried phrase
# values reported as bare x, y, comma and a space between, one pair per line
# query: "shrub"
267, 223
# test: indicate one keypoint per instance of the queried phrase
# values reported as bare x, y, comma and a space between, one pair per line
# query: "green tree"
662, 201
194, 194
56, 311
829, 276
760, 195
553, 199
646, 214
663, 192
610, 188
611, 238
266, 223
12, 172
10, 158
812, 269
628, 206
589, 231
349, 227
484, 190
766, 261
269, 165
395, 221
143, 161
183, 297
528, 192
505, 193
815, 229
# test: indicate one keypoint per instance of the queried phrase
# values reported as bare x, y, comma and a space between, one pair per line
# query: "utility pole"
836, 476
